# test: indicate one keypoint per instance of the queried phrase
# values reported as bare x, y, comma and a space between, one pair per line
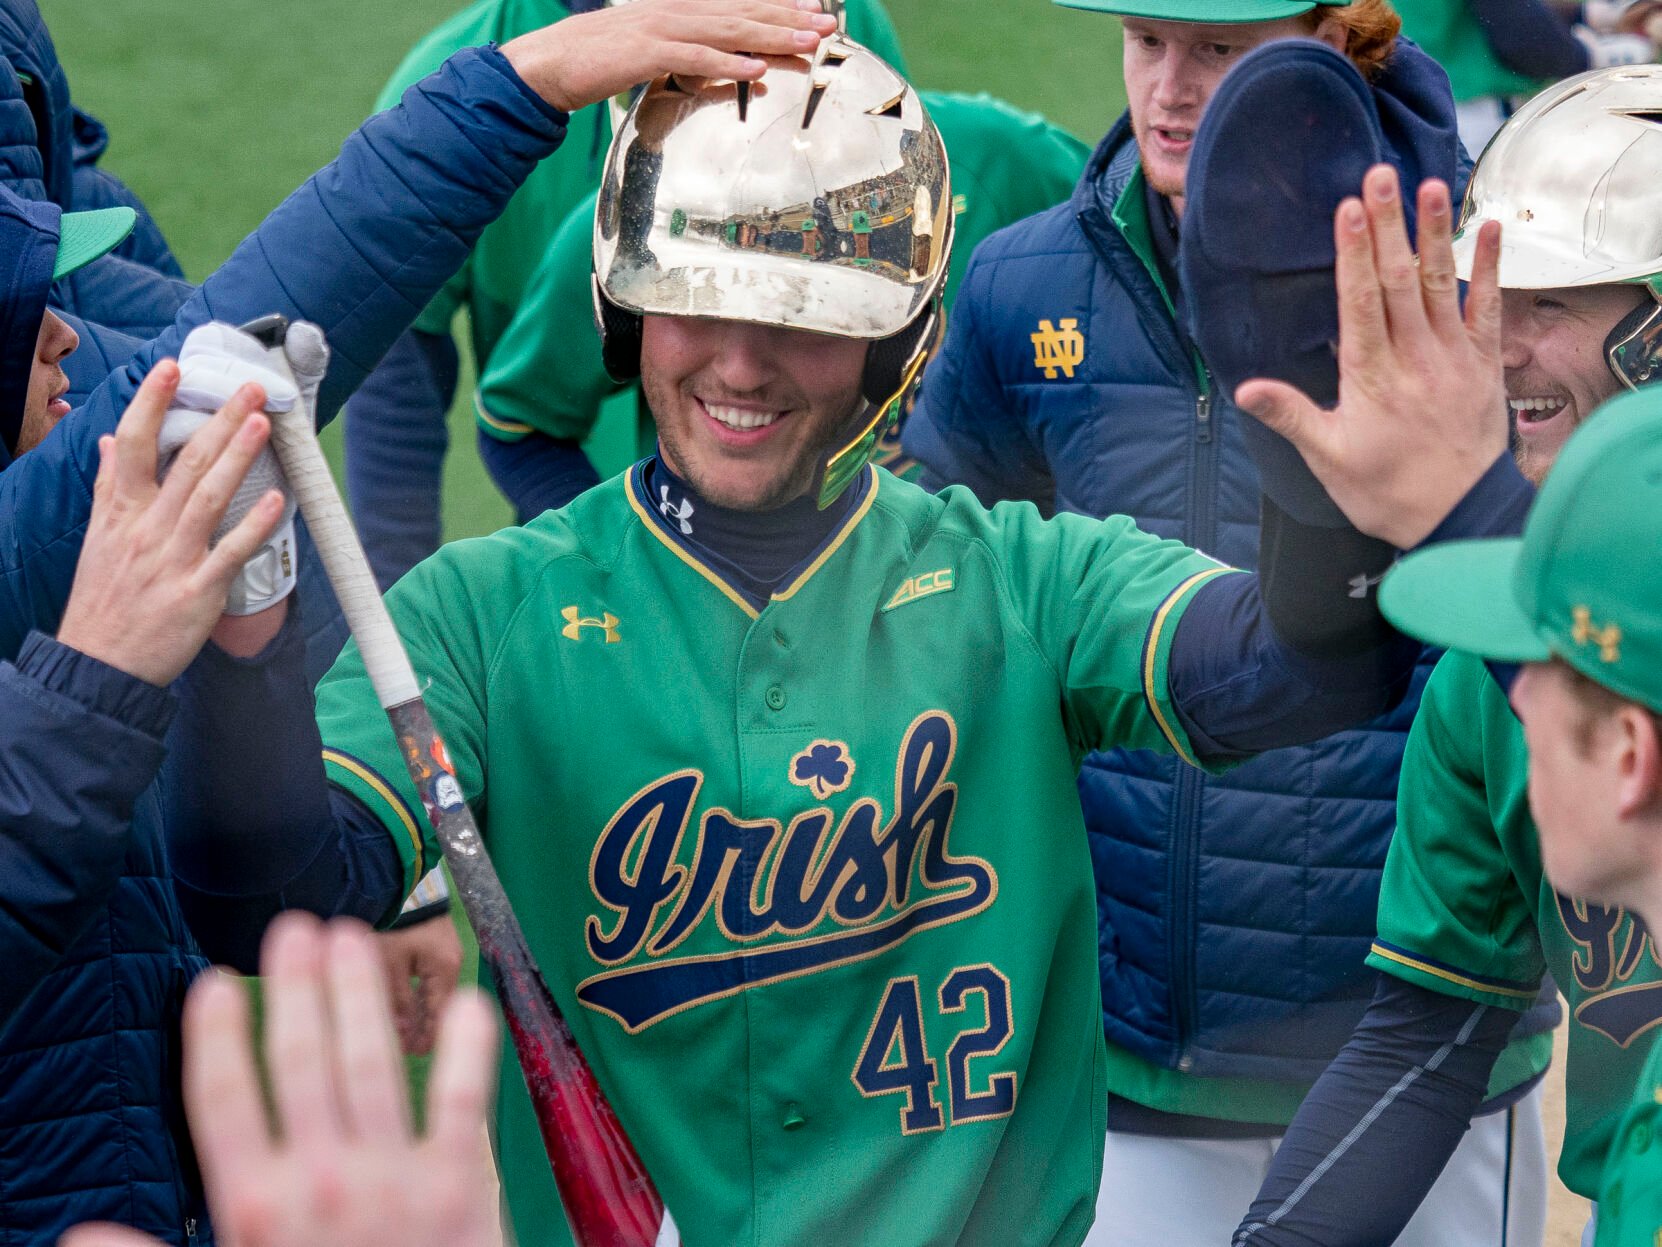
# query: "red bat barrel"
609, 1199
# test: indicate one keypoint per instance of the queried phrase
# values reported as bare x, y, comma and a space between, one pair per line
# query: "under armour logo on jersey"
1607, 638
679, 512
1362, 582
1058, 349
576, 622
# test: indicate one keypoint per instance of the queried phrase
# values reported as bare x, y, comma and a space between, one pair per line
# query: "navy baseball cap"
1220, 11
40, 243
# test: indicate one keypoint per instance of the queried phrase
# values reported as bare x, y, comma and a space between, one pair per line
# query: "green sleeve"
1007, 164
1454, 916
1102, 600
869, 23
545, 374
448, 632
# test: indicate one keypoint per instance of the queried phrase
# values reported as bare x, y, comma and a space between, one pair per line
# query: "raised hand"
148, 587
592, 56
339, 1166
1422, 399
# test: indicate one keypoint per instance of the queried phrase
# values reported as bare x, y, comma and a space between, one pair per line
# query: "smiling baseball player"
775, 752
1567, 601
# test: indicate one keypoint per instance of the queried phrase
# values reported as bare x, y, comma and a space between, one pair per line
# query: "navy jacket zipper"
1201, 531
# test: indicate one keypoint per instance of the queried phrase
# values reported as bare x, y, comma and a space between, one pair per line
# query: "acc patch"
921, 586
1058, 350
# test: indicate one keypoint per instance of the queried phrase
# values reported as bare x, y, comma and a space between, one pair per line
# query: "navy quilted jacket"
1234, 912
49, 150
96, 954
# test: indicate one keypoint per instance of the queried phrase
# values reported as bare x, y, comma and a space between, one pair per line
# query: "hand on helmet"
591, 56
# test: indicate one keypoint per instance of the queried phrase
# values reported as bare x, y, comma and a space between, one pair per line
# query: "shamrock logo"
824, 767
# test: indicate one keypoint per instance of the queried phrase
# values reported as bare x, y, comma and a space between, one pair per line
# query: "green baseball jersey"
545, 373
1630, 1203
1464, 908
491, 283
811, 883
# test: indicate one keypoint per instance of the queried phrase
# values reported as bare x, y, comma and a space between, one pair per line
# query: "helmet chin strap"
1634, 348
893, 370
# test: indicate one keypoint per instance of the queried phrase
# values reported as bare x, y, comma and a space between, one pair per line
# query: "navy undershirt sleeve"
253, 832
1529, 38
1299, 650
1381, 1122
537, 473
396, 439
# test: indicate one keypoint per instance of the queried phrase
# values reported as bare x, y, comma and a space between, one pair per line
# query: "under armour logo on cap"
1608, 638
680, 512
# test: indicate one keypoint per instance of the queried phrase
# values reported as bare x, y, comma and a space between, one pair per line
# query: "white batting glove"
1606, 49
216, 360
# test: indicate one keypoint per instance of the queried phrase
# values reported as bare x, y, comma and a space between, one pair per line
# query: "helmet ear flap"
620, 335
891, 361
1634, 347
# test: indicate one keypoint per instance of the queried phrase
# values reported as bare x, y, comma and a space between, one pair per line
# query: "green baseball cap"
1221, 11
84, 236
1581, 584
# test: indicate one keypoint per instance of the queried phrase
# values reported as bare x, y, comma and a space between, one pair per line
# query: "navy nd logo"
1058, 350
1611, 946
576, 622
1607, 638
786, 900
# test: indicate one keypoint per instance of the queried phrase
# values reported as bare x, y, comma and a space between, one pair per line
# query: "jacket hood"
1416, 116
44, 93
37, 122
28, 251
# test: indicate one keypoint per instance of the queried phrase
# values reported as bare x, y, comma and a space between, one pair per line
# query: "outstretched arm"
1414, 452
1396, 1100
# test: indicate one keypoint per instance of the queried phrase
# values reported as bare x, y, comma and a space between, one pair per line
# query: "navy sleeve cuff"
1494, 507
96, 685
491, 54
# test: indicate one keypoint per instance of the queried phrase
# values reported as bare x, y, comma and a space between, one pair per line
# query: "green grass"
219, 108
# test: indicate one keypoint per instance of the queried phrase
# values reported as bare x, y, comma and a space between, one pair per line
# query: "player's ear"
1638, 740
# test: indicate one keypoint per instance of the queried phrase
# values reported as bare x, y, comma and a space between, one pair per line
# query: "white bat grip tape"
294, 438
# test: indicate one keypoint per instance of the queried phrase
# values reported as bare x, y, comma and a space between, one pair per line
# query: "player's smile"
740, 424
747, 413
1543, 415
1552, 346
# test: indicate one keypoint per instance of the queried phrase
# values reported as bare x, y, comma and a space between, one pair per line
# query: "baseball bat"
608, 1197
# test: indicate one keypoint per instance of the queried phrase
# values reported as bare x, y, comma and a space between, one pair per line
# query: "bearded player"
776, 753
1468, 925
